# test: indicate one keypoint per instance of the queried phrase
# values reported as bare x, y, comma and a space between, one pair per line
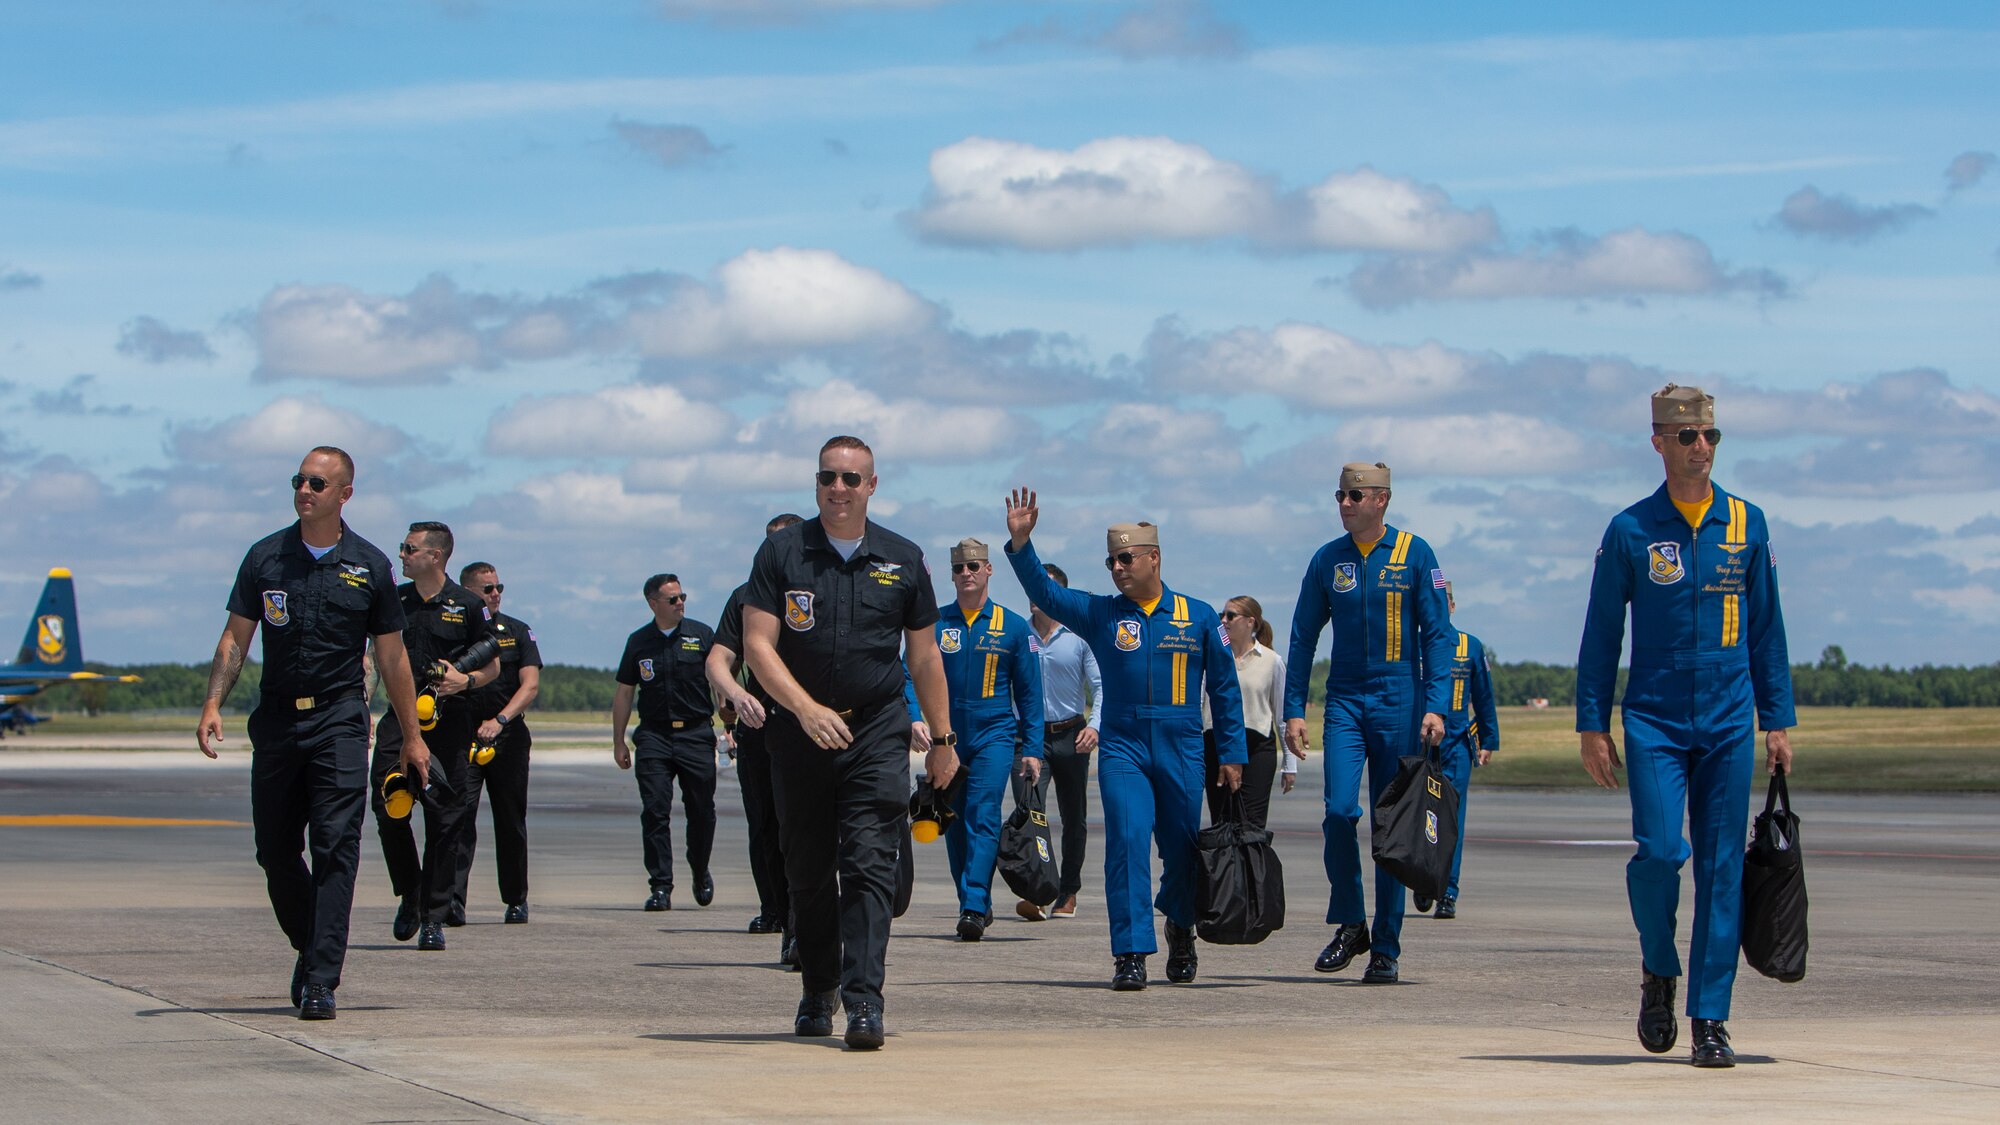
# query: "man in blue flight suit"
995, 680
1153, 647
1471, 736
1709, 668
1392, 648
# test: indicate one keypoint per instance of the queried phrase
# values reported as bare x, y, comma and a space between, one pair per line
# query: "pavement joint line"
1580, 1034
317, 1050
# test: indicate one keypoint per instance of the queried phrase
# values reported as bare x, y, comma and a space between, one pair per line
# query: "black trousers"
431, 876
308, 791
844, 817
760, 811
659, 758
505, 779
1071, 773
1258, 775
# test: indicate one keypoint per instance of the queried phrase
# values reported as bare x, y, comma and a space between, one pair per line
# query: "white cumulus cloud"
1633, 262
901, 428
630, 419
1305, 364
1464, 445
779, 300
337, 332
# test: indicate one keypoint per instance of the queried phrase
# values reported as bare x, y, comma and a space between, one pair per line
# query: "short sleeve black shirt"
669, 672
517, 651
841, 623
729, 634
441, 627
317, 614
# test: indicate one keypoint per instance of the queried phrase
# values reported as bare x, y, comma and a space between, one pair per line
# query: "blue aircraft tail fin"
53, 642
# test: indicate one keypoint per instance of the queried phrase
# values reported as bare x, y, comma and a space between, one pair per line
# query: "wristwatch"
945, 739
502, 719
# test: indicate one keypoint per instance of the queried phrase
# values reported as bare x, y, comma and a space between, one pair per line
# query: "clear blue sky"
590, 281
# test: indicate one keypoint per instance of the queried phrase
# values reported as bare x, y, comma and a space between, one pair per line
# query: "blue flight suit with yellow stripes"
1709, 667
1149, 757
994, 676
1392, 646
1471, 725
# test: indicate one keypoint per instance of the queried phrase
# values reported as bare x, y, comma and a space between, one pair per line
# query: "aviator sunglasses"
964, 567
318, 483
494, 588
1122, 558
826, 477
1352, 495
1688, 436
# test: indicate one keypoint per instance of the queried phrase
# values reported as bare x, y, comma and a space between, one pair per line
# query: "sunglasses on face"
673, 599
1688, 436
850, 478
318, 483
964, 568
1122, 558
494, 588
408, 549
1352, 495
1231, 615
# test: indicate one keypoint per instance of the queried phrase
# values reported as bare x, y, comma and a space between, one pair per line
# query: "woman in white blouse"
1260, 672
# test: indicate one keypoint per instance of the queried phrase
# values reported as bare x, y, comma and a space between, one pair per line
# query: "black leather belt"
1074, 722
311, 702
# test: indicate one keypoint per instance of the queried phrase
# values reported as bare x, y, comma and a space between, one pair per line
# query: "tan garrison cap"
1125, 536
1360, 474
969, 550
1683, 406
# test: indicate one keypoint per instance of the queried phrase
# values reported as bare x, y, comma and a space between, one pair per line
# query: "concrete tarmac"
142, 978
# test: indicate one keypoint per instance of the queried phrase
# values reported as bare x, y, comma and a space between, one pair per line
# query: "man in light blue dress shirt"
1072, 705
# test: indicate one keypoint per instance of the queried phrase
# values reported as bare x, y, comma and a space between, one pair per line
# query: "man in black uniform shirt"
445, 619
831, 605
321, 592
744, 708
664, 665
499, 716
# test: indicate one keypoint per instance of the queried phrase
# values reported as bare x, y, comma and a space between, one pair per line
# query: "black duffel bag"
1027, 859
1241, 898
1774, 890
1415, 826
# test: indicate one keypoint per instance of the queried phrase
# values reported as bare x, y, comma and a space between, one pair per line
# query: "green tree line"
1832, 682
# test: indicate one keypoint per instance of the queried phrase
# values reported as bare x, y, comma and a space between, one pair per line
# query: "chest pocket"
348, 599
886, 600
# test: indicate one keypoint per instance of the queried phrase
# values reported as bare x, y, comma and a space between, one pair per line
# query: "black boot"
1128, 972
815, 1014
1711, 1045
1181, 958
1348, 941
1657, 1029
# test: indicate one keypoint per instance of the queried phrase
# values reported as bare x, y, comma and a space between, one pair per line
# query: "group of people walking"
833, 663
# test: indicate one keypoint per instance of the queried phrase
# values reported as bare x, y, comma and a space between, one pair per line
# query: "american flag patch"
1437, 580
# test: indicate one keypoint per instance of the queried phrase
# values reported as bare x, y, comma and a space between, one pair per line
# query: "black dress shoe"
1423, 903
299, 981
407, 919
1181, 958
760, 925
788, 955
431, 936
1447, 908
864, 1027
317, 1003
516, 914
660, 900
971, 925
1711, 1045
1348, 941
1381, 970
455, 917
1128, 972
704, 889
815, 1014
1657, 1029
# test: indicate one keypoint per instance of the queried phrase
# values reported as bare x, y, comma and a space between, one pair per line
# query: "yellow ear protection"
427, 711
397, 796
482, 753
931, 812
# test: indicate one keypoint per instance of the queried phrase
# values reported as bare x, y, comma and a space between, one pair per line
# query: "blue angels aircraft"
51, 653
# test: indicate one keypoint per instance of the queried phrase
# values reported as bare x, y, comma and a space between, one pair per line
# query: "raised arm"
1071, 607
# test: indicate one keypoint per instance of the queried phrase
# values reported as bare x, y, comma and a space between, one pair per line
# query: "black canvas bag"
1241, 899
1027, 858
1774, 890
1415, 826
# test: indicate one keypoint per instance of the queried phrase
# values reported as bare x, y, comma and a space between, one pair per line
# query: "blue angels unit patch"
275, 611
646, 669
1343, 577
50, 643
1663, 563
799, 609
951, 640
1129, 632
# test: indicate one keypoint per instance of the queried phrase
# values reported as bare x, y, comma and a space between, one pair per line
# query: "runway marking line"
78, 820
1813, 851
